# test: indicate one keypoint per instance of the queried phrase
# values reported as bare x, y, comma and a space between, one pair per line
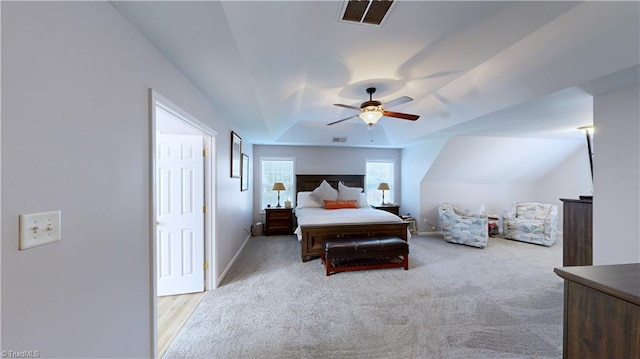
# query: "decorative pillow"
305, 200
340, 204
352, 193
363, 202
325, 191
348, 193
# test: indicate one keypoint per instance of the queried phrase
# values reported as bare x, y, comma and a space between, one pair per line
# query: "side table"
494, 229
392, 208
412, 223
278, 221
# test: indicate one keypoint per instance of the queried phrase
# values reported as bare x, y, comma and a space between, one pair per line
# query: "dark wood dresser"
601, 311
577, 224
279, 221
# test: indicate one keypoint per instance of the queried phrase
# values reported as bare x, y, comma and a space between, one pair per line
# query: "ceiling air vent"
370, 12
340, 139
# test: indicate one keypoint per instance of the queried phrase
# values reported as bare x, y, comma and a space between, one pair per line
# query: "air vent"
370, 12
340, 139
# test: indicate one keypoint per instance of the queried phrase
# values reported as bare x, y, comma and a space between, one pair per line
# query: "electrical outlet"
37, 229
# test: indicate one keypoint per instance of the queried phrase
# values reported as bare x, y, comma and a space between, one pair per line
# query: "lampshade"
586, 129
371, 114
278, 186
384, 186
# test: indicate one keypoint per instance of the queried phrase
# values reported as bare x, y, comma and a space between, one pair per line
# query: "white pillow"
305, 200
362, 202
351, 193
325, 192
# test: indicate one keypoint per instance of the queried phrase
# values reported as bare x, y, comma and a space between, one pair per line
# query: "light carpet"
455, 301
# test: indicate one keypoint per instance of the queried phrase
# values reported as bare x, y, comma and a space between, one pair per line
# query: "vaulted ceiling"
275, 69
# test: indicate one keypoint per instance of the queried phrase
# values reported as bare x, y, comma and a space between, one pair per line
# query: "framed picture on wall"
236, 151
244, 181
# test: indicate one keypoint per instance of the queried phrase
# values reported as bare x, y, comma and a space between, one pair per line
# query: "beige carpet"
455, 301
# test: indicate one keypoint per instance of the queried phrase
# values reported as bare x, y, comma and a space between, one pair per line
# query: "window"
277, 170
378, 172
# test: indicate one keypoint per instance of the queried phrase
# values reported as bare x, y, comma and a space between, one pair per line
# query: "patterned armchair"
531, 222
463, 228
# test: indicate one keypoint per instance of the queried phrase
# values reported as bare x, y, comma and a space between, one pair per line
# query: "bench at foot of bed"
367, 253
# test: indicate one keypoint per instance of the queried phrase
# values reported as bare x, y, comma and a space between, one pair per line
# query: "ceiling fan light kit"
371, 114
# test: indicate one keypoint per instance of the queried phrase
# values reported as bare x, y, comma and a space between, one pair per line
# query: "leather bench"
365, 253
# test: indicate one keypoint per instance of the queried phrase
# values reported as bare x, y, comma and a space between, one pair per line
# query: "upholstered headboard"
310, 182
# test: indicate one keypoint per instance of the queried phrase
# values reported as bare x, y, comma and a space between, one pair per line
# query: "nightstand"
395, 209
412, 223
278, 221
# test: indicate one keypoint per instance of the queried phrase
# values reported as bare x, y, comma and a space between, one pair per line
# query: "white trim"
171, 107
210, 242
152, 225
430, 233
233, 260
258, 176
394, 175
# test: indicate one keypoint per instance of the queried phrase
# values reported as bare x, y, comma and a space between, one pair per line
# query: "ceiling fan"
371, 111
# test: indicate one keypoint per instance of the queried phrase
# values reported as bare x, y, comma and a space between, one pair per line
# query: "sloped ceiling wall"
498, 159
497, 171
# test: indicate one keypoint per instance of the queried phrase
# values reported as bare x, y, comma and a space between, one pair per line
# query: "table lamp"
383, 187
278, 186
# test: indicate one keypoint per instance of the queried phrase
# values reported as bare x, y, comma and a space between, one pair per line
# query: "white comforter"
311, 216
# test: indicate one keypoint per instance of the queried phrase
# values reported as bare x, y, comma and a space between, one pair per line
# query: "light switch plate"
37, 229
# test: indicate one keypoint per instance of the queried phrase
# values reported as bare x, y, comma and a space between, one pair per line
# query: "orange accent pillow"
352, 203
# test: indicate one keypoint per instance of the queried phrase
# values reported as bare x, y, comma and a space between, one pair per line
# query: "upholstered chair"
463, 228
531, 222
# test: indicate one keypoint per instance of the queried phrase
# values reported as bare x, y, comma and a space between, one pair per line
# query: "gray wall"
323, 160
616, 167
75, 137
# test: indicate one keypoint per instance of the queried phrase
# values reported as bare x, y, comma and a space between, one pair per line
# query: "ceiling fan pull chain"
370, 133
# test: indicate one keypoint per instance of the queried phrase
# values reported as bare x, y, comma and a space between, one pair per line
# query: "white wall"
416, 161
324, 160
570, 179
616, 167
75, 137
497, 171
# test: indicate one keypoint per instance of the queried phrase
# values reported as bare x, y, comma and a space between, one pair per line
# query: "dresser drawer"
278, 214
279, 221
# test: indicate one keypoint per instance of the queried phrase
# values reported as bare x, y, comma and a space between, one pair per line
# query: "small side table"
494, 228
278, 221
392, 208
412, 223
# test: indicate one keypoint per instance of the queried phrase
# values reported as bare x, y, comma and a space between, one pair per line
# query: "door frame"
210, 242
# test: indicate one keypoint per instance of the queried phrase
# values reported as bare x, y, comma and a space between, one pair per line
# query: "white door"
180, 214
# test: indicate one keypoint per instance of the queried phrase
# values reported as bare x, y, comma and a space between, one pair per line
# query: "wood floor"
173, 313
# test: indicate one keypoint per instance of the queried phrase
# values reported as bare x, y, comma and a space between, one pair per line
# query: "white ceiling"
275, 69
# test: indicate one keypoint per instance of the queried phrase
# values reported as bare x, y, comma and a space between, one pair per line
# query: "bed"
315, 225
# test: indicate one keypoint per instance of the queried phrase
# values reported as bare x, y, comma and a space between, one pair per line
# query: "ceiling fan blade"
344, 119
404, 116
398, 101
441, 99
347, 106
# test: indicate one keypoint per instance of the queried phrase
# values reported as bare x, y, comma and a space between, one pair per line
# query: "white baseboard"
233, 260
434, 233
